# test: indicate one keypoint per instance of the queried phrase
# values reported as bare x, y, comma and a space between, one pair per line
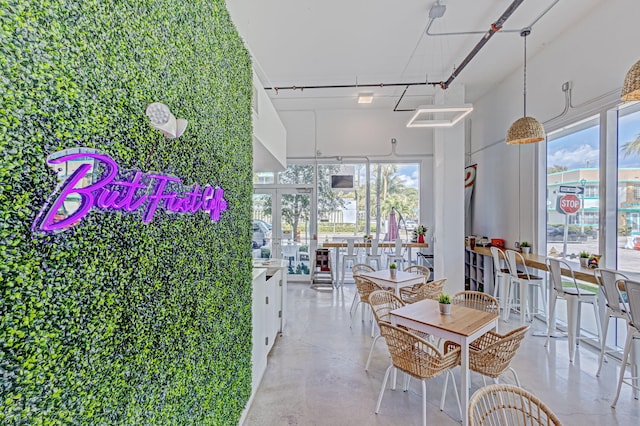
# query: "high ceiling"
347, 42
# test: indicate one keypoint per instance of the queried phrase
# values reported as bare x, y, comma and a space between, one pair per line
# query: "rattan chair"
427, 290
356, 270
490, 355
417, 358
476, 300
365, 288
417, 269
502, 405
382, 302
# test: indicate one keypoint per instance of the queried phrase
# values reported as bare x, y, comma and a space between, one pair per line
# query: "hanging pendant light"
631, 86
526, 129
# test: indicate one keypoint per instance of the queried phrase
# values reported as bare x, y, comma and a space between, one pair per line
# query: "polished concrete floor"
316, 376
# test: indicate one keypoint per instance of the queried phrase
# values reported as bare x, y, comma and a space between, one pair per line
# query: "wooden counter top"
538, 262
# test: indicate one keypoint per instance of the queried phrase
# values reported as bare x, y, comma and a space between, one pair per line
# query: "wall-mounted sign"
91, 180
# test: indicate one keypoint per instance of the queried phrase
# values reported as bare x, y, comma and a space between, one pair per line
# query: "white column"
448, 183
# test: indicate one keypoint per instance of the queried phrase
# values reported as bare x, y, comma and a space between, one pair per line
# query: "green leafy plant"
584, 254
525, 244
393, 266
116, 322
421, 230
444, 298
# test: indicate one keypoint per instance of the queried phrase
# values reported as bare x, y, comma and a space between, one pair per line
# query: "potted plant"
525, 247
445, 304
421, 231
584, 259
392, 270
594, 261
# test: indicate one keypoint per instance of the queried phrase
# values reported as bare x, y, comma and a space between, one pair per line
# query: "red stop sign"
569, 203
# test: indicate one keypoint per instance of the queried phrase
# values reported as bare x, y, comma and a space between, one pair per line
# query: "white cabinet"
268, 311
259, 351
478, 270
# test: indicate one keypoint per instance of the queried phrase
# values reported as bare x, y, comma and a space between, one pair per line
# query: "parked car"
261, 234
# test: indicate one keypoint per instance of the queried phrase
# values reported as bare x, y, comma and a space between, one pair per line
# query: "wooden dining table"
462, 326
337, 245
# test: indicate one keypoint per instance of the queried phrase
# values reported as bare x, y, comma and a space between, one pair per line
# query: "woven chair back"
493, 353
430, 290
382, 302
419, 269
359, 268
500, 405
416, 356
476, 300
365, 288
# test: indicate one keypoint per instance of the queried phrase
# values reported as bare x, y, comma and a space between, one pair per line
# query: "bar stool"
349, 256
575, 297
632, 289
501, 275
615, 305
374, 254
524, 281
397, 256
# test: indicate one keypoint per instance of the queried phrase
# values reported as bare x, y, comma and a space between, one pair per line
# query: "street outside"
628, 259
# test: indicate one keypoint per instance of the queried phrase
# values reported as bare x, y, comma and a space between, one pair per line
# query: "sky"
580, 149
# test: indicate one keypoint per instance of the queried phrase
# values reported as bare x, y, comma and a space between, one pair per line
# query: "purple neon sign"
140, 191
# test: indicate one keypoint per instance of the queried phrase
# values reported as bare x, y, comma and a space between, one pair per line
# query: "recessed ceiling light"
365, 98
439, 115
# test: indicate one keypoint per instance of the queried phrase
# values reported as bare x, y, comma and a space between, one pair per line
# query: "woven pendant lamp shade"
525, 130
631, 86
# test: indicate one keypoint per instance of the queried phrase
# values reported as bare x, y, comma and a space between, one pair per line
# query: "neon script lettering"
146, 192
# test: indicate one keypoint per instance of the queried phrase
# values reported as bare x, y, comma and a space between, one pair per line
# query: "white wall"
594, 55
352, 132
269, 134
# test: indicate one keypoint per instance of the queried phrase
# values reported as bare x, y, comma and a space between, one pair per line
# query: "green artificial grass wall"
115, 321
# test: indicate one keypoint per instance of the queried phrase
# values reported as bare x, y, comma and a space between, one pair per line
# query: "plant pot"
525, 250
421, 238
445, 308
584, 262
392, 272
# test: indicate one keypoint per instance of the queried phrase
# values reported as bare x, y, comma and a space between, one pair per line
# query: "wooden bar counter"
538, 262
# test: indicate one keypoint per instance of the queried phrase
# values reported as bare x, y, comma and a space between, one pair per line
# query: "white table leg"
337, 254
464, 381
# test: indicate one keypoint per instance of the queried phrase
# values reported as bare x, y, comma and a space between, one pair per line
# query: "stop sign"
569, 204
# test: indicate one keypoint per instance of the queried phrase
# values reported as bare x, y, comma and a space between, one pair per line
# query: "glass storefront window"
572, 173
628, 214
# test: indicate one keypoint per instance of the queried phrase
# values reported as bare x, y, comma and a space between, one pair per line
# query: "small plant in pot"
584, 259
525, 247
392, 269
445, 303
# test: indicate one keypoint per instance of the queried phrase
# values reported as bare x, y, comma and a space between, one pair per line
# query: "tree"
295, 208
632, 148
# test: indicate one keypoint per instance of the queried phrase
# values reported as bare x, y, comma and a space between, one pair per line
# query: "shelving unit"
478, 271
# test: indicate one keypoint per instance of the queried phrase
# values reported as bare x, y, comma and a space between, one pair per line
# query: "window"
628, 214
572, 171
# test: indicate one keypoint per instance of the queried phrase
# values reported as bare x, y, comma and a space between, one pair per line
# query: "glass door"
286, 213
